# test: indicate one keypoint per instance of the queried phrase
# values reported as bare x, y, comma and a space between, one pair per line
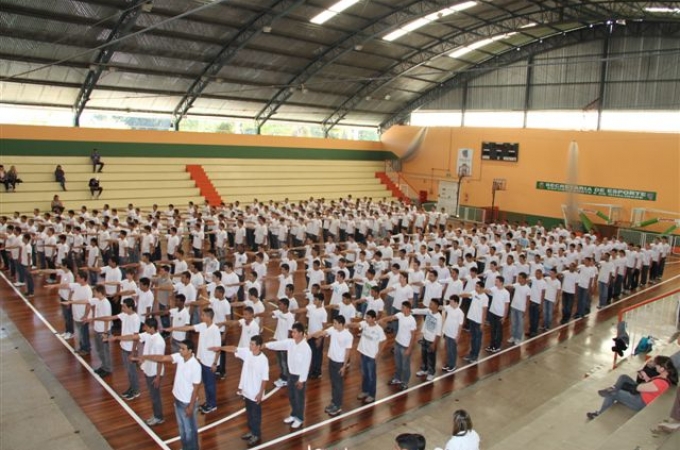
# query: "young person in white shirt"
538, 287
99, 306
452, 324
298, 361
317, 316
254, 377
569, 282
498, 311
154, 344
479, 304
208, 337
553, 286
587, 273
130, 326
284, 324
338, 360
431, 334
518, 307
403, 344
371, 343
184, 390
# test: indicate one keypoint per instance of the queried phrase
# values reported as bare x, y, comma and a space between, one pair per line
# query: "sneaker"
489, 349
19, 284
430, 377
253, 440
495, 350
369, 399
467, 358
104, 374
153, 421
131, 395
404, 386
449, 369
208, 409
329, 407
127, 395
247, 436
592, 415
334, 411
394, 382
511, 341
280, 383
362, 396
67, 335
289, 419
296, 424
421, 373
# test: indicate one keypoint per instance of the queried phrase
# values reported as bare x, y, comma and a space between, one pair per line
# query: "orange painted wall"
640, 161
171, 137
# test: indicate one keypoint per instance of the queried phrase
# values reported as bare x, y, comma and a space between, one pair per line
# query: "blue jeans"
131, 369
517, 325
155, 393
282, 359
583, 303
369, 377
402, 364
296, 397
475, 339
83, 335
68, 318
632, 401
25, 276
451, 351
548, 308
603, 293
209, 384
188, 427
254, 413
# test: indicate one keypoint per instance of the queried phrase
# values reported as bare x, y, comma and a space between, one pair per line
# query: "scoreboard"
493, 151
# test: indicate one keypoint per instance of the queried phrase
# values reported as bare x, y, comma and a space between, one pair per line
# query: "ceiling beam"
125, 23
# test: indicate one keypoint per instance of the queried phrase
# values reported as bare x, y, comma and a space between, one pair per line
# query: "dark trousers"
296, 397
254, 413
475, 339
316, 345
26, 276
644, 274
428, 357
496, 331
97, 164
534, 317
583, 301
68, 318
451, 351
209, 385
282, 359
337, 382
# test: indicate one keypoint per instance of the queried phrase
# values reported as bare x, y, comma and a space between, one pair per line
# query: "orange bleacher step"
204, 184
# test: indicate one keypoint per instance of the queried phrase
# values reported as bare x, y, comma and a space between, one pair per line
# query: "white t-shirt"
341, 342
317, 317
477, 305
179, 319
407, 325
79, 293
284, 323
102, 308
432, 325
454, 320
208, 336
222, 310
154, 344
500, 297
187, 375
129, 325
111, 275
401, 294
144, 303
537, 288
255, 371
337, 290
375, 304
520, 297
551, 288
371, 337
468, 441
248, 330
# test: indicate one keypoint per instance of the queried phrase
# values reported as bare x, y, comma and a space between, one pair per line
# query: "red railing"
628, 309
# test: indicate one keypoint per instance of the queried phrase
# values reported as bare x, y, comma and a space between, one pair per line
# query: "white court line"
225, 419
426, 383
108, 388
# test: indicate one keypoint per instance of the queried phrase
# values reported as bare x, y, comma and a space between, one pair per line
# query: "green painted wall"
81, 148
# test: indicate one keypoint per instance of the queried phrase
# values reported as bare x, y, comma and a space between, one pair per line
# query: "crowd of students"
368, 266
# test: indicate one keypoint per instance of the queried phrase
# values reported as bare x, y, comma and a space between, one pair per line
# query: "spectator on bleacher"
3, 174
636, 396
57, 206
464, 437
60, 177
11, 179
96, 159
95, 187
410, 441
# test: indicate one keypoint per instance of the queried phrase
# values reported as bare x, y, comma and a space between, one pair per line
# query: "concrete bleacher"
141, 181
147, 181
276, 179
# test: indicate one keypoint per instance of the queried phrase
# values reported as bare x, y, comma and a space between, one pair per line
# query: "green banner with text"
596, 190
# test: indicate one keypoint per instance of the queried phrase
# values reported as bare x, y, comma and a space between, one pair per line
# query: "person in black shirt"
60, 177
94, 187
96, 159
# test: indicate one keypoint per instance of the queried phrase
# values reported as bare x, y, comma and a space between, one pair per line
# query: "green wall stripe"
84, 148
548, 222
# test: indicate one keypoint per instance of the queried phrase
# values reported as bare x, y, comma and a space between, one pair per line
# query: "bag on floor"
644, 346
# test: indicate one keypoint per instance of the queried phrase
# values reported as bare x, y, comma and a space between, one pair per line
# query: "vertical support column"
464, 105
604, 68
527, 88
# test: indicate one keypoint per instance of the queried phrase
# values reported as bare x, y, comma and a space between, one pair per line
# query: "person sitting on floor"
636, 396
